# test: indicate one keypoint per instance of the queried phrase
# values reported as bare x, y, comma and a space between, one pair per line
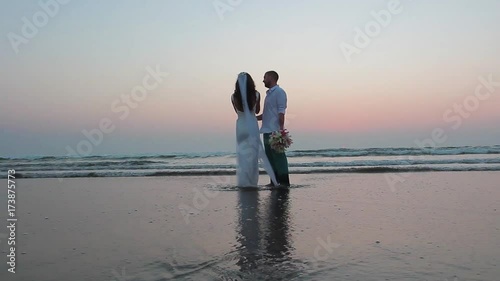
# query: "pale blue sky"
395, 91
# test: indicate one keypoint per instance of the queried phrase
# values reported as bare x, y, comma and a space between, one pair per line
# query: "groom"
273, 119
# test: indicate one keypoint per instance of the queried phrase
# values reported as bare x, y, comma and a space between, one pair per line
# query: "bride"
249, 150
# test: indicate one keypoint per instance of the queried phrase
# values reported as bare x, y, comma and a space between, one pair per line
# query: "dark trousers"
278, 161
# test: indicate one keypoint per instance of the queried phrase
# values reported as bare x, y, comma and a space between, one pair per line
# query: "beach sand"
431, 226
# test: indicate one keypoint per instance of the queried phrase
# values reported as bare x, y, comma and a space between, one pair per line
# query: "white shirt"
274, 104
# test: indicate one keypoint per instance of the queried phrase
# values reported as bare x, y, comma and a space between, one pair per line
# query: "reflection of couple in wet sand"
263, 235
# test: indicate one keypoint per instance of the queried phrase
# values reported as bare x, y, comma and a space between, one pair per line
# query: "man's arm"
259, 117
282, 120
282, 101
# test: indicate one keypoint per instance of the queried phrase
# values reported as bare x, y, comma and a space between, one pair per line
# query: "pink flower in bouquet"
280, 140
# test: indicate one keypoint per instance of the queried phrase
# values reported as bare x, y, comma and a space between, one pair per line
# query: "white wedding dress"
249, 149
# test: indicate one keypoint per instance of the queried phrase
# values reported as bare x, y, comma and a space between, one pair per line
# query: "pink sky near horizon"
309, 109
396, 89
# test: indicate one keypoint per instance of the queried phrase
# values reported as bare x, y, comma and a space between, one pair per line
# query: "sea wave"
155, 165
231, 172
402, 151
343, 160
332, 152
96, 158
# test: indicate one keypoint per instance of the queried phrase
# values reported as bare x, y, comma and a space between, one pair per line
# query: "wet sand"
432, 226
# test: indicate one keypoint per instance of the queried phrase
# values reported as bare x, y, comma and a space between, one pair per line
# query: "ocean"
340, 160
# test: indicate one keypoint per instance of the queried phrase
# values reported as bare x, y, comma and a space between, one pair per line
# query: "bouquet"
280, 140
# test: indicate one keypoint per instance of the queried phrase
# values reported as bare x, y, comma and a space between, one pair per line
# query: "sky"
142, 77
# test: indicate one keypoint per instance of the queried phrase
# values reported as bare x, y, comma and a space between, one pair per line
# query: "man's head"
270, 79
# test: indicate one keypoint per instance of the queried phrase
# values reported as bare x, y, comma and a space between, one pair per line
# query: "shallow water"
433, 226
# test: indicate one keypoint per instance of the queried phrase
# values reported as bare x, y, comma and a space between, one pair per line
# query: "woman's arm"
234, 106
257, 101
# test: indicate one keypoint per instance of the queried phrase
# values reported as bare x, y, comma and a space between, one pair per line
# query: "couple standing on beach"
246, 103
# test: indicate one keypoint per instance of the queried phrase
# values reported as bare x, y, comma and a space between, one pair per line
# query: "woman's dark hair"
251, 96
